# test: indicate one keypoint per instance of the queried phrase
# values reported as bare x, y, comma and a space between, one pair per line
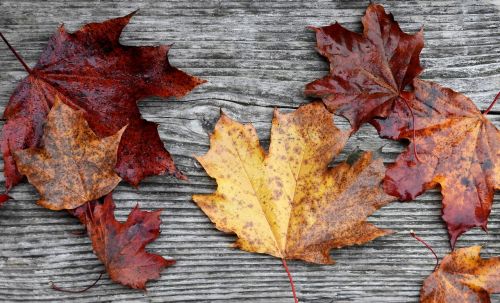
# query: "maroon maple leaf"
121, 246
91, 71
368, 72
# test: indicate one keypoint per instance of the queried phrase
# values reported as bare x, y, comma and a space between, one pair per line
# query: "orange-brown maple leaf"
463, 276
121, 246
368, 72
458, 148
92, 71
73, 165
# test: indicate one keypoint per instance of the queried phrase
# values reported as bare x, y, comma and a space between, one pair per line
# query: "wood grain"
256, 55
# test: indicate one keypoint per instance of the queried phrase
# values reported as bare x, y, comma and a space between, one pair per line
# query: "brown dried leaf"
463, 276
73, 165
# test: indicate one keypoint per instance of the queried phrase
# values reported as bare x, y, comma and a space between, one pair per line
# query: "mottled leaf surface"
288, 203
463, 276
369, 71
121, 246
90, 70
458, 148
73, 165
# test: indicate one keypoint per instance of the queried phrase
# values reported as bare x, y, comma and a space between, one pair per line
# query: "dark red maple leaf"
121, 246
91, 71
143, 147
458, 148
368, 72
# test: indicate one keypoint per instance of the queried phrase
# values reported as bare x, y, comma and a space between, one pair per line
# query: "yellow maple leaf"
288, 203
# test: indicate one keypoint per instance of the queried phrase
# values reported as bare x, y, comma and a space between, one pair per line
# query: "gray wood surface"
256, 55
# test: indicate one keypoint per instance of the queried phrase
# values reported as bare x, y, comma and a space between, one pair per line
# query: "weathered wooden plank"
257, 55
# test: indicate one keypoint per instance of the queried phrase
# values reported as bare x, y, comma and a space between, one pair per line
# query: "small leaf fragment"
4, 198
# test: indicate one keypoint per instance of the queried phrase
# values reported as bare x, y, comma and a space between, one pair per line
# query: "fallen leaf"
368, 72
458, 148
73, 165
143, 153
463, 276
288, 203
90, 70
4, 198
121, 246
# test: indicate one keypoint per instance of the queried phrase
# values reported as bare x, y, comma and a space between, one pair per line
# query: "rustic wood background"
256, 55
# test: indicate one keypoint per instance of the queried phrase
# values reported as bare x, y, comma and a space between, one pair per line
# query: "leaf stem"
491, 105
19, 58
291, 280
405, 101
412, 233
55, 287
